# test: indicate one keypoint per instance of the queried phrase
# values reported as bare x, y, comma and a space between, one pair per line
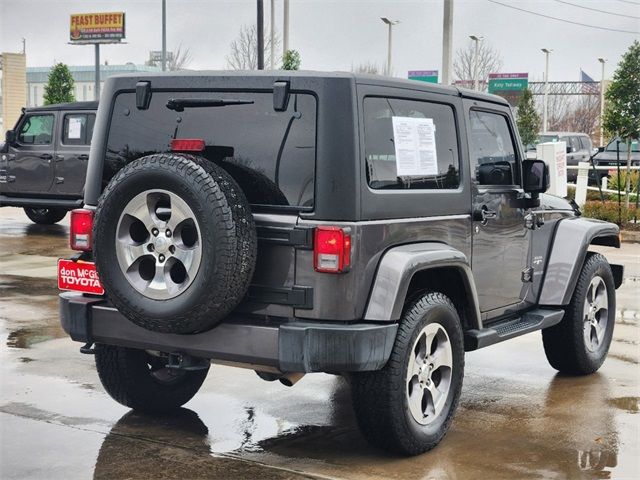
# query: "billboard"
430, 76
96, 27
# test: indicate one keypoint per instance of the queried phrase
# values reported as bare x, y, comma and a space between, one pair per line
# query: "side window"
493, 153
36, 130
432, 158
77, 128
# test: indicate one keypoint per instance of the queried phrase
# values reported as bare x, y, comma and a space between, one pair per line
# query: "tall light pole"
477, 40
545, 108
447, 42
390, 24
260, 34
273, 36
285, 27
164, 35
602, 61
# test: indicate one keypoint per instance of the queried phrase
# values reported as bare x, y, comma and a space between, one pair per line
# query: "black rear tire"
139, 380
227, 240
565, 344
380, 398
45, 216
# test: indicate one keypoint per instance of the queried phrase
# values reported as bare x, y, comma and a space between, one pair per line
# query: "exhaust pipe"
290, 379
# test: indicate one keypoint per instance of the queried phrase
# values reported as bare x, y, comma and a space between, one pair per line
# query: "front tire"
45, 216
407, 406
579, 344
140, 381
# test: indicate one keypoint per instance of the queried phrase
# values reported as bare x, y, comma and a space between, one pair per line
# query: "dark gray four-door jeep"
324, 222
43, 161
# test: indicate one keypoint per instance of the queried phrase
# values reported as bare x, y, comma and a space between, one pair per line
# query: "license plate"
79, 277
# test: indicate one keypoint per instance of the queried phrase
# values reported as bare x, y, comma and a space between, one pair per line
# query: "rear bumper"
289, 346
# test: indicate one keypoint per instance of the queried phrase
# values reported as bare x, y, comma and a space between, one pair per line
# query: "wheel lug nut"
155, 232
168, 233
150, 247
161, 258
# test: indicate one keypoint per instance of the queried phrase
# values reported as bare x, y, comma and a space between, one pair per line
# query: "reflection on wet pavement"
517, 417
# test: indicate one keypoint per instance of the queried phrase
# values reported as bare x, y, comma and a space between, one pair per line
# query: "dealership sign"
97, 27
430, 76
505, 82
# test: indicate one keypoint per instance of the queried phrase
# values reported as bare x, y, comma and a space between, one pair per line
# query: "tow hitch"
182, 361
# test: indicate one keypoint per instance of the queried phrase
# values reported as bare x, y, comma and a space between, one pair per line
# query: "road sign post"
508, 85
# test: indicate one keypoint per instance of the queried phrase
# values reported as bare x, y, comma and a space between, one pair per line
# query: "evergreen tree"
528, 118
622, 104
59, 88
291, 60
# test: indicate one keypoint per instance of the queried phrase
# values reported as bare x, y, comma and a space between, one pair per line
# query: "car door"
30, 166
72, 154
501, 241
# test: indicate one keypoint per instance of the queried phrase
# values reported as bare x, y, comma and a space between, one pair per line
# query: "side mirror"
535, 175
600, 149
10, 137
570, 149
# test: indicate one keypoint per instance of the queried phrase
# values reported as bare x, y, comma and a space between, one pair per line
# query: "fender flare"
568, 252
398, 266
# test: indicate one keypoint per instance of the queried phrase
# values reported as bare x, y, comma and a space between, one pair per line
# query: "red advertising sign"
79, 277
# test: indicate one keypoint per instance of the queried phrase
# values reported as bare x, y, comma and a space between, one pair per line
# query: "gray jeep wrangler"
324, 222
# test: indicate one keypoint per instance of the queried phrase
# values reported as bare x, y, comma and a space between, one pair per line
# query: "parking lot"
517, 419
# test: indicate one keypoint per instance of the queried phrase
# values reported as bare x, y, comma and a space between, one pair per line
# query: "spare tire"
174, 243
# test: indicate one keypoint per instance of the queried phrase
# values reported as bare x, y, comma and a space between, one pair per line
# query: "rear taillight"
81, 227
331, 250
187, 145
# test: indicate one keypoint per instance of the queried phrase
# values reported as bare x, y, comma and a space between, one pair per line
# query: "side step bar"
496, 333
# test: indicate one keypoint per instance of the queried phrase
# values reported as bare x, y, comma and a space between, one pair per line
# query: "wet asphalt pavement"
517, 419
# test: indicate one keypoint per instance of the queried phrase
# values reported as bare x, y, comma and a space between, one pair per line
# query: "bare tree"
244, 50
583, 116
180, 59
489, 61
367, 67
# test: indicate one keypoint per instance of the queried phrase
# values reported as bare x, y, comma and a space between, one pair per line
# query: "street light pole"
477, 40
602, 61
164, 35
447, 41
390, 24
285, 27
273, 36
545, 108
260, 34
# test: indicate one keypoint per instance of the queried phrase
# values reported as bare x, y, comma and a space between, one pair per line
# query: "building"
12, 88
83, 76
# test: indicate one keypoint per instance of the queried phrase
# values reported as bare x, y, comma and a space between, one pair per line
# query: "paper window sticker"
75, 128
415, 146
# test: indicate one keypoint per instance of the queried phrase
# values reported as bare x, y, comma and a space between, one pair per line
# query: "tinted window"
493, 157
547, 138
380, 152
77, 128
36, 130
270, 154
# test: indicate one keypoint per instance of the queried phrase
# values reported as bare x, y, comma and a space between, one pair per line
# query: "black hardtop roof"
64, 106
272, 75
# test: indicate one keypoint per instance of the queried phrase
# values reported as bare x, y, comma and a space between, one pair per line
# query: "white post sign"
554, 155
581, 183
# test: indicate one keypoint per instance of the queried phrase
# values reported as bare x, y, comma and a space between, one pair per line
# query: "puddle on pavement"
25, 318
628, 404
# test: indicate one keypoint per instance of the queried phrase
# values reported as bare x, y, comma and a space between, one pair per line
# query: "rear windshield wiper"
179, 104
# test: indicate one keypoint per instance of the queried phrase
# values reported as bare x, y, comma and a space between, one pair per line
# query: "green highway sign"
508, 82
430, 76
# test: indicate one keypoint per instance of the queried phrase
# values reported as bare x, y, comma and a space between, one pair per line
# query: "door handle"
83, 157
483, 214
46, 156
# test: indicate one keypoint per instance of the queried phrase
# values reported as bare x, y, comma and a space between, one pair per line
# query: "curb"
630, 236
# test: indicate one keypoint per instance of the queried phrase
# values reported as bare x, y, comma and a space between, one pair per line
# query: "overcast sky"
334, 35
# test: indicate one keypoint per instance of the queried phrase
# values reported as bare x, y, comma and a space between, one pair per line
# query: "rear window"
270, 154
